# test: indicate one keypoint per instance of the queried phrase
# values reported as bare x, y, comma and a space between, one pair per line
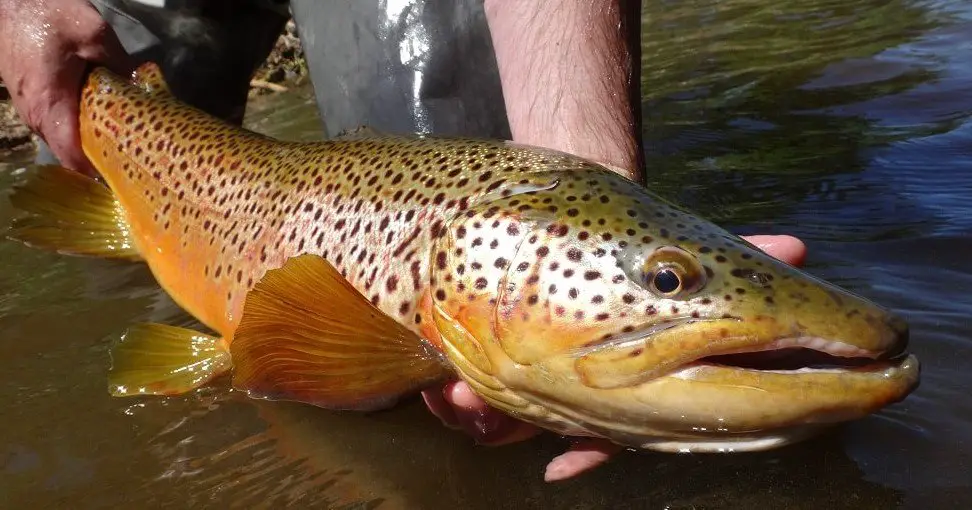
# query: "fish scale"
350, 273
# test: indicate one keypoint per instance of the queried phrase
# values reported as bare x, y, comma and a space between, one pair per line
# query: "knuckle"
34, 115
30, 104
98, 31
92, 31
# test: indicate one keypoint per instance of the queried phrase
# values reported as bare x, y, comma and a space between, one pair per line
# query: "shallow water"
848, 124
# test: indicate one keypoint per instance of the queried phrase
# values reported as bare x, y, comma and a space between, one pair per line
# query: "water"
848, 124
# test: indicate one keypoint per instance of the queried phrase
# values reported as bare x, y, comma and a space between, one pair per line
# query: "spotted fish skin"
536, 273
213, 206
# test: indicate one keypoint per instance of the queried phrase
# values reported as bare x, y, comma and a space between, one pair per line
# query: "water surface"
846, 123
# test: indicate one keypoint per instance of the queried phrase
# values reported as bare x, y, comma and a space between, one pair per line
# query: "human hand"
458, 407
45, 46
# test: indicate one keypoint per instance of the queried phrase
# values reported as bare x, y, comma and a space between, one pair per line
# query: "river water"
846, 123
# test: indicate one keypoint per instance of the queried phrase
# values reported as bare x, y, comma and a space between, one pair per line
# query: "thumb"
97, 42
59, 128
786, 248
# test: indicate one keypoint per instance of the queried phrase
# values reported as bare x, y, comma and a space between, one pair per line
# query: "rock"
285, 67
14, 135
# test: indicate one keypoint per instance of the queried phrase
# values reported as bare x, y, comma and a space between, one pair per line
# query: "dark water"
846, 123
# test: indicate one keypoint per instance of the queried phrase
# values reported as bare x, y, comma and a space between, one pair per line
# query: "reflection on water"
796, 115
846, 123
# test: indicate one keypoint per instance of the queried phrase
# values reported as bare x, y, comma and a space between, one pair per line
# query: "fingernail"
555, 471
441, 409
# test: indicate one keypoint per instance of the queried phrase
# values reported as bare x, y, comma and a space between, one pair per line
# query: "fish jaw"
705, 403
740, 382
709, 408
748, 338
699, 406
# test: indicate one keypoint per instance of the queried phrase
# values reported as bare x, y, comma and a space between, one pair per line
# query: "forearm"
570, 76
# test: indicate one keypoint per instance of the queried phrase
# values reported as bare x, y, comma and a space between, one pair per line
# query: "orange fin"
155, 359
70, 213
149, 78
307, 335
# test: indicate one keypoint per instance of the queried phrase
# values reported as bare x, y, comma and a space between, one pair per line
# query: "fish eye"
671, 272
666, 281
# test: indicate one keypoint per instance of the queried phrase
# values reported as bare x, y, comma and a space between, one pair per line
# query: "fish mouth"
715, 384
802, 355
739, 384
758, 344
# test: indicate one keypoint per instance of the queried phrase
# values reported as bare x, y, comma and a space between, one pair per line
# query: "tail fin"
71, 214
149, 78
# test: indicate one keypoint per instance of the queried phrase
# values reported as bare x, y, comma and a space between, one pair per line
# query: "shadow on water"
846, 123
332, 449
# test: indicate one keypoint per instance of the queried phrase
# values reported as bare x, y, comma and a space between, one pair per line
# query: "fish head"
591, 307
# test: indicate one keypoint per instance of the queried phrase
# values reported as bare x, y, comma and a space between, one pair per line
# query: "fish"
353, 272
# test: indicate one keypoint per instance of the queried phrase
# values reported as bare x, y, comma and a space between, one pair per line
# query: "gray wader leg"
423, 66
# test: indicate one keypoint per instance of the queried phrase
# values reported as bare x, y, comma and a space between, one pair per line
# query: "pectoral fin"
307, 335
155, 359
72, 214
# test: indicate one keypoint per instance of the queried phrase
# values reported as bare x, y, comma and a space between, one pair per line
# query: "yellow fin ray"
307, 335
70, 213
155, 359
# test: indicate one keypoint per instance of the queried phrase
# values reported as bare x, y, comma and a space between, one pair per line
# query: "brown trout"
349, 273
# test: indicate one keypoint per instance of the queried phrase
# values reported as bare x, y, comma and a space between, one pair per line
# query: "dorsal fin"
149, 78
307, 335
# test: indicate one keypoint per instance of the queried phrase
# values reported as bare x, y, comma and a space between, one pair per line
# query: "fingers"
583, 456
786, 248
442, 409
459, 408
57, 116
489, 426
47, 46
95, 41
48, 102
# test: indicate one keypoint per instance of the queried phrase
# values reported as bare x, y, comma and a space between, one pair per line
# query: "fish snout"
872, 328
851, 324
895, 332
